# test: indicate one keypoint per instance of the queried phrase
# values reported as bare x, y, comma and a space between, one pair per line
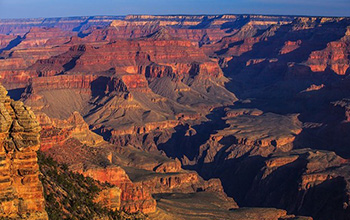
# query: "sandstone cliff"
151, 85
70, 195
137, 174
21, 190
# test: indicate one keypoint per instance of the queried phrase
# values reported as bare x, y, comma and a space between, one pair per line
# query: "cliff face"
318, 174
234, 134
335, 56
21, 190
22, 26
137, 174
44, 37
68, 193
178, 56
151, 81
160, 87
22, 52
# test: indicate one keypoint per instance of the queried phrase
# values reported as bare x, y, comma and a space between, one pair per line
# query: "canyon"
179, 117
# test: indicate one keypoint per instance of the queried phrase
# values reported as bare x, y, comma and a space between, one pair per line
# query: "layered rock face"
6, 40
137, 56
137, 174
151, 82
157, 86
44, 37
334, 57
70, 195
87, 153
22, 52
239, 133
22, 26
314, 173
21, 190
201, 29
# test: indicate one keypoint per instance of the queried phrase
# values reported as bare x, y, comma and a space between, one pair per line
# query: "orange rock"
290, 46
335, 56
110, 198
21, 192
133, 196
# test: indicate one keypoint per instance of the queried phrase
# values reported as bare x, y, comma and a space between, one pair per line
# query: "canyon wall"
250, 102
21, 190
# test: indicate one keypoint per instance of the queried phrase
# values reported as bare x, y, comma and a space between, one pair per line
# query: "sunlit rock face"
135, 175
257, 105
21, 190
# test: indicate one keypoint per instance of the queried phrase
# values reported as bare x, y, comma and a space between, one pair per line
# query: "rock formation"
160, 93
335, 56
70, 195
137, 174
303, 175
21, 190
184, 206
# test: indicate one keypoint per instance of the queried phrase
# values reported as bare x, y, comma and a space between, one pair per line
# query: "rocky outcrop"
79, 143
110, 198
21, 190
137, 174
146, 83
184, 206
56, 132
335, 56
290, 46
44, 37
247, 132
246, 129
315, 174
68, 193
318, 61
134, 196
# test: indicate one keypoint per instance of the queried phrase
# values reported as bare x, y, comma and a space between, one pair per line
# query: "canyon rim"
228, 116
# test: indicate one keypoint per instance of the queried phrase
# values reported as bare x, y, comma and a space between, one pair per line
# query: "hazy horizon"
10, 9
173, 14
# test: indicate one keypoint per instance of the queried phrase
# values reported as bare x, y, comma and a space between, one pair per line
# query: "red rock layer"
75, 133
5, 40
80, 82
134, 196
335, 56
86, 152
87, 84
44, 37
199, 29
14, 68
156, 56
21, 192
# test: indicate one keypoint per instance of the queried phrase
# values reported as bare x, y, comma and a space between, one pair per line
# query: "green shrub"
70, 195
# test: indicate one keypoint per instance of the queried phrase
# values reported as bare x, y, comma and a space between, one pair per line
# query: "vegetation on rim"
70, 195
